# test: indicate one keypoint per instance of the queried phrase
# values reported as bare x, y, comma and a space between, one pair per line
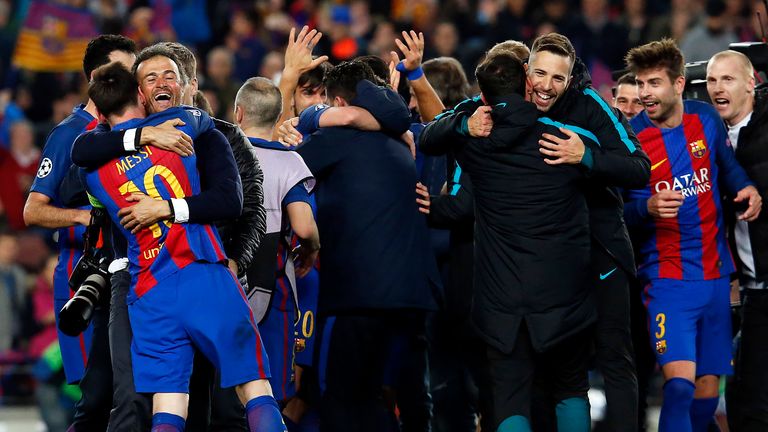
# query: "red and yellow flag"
53, 38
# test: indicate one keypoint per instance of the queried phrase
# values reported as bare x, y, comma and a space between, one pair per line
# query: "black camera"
90, 281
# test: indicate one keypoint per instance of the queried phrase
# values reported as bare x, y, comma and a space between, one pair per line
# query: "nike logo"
502, 104
605, 276
656, 165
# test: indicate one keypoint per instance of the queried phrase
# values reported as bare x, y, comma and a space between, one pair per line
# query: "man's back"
531, 234
164, 248
375, 251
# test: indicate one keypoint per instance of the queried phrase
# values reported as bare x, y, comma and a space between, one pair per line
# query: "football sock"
676, 409
573, 415
514, 424
167, 422
264, 415
703, 413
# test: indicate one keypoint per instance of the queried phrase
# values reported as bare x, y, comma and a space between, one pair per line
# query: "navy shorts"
202, 306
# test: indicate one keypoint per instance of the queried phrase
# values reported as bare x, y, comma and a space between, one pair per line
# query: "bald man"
731, 87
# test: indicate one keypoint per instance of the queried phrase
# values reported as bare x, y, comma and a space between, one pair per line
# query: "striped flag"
53, 38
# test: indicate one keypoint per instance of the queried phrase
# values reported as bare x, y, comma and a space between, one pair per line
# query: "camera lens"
77, 312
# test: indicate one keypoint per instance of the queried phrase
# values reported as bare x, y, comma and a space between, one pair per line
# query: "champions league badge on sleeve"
46, 166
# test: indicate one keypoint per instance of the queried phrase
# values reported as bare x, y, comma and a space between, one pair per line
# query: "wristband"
412, 75
173, 212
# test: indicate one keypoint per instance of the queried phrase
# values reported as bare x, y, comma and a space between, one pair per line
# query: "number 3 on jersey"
661, 319
164, 173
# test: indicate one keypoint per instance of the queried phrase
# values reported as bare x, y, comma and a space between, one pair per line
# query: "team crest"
698, 148
661, 346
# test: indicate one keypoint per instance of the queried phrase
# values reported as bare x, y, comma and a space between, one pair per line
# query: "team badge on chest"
698, 148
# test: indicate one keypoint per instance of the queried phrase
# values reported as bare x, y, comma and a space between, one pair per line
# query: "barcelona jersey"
54, 165
694, 158
162, 249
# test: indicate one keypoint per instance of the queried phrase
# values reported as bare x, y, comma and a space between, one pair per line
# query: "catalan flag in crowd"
53, 37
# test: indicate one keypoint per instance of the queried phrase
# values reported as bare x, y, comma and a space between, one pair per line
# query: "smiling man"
731, 87
684, 258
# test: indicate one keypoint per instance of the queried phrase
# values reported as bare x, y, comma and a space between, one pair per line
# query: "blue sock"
703, 413
264, 415
167, 422
676, 409
514, 424
573, 415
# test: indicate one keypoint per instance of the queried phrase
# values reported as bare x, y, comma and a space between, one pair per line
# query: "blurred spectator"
243, 40
710, 36
53, 398
219, 68
513, 22
13, 295
272, 66
109, 15
189, 19
18, 166
681, 16
599, 41
415, 14
150, 24
635, 20
552, 16
342, 45
383, 40
42, 308
10, 113
445, 41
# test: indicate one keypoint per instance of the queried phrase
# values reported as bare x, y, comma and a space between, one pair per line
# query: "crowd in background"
236, 40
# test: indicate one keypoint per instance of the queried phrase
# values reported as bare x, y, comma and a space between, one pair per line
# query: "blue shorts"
74, 350
202, 306
308, 289
691, 320
277, 331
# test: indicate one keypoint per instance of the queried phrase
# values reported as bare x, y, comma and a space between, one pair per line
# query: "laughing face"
731, 87
661, 96
159, 84
548, 78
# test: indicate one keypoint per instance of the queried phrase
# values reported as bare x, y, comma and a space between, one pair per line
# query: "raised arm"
427, 99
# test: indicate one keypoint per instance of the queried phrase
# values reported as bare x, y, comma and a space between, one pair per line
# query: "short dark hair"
314, 78
657, 54
99, 48
159, 50
447, 77
627, 78
187, 61
342, 79
378, 66
502, 74
113, 89
261, 102
554, 43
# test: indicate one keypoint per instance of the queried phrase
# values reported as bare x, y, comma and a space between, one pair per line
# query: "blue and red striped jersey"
164, 248
54, 165
695, 158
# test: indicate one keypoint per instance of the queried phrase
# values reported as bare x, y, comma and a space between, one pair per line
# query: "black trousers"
645, 357
92, 410
131, 411
613, 341
746, 393
457, 373
518, 377
354, 352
